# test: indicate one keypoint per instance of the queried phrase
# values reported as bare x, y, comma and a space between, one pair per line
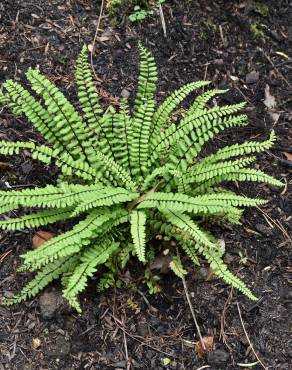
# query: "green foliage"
133, 175
138, 10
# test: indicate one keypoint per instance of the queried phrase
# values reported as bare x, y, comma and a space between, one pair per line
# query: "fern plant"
126, 176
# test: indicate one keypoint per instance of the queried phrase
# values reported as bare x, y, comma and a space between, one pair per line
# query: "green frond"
141, 126
61, 196
208, 249
87, 94
242, 174
64, 117
20, 101
138, 222
50, 272
200, 102
96, 255
147, 78
221, 270
201, 172
96, 224
205, 204
199, 127
106, 197
36, 219
68, 243
187, 150
171, 103
177, 267
236, 150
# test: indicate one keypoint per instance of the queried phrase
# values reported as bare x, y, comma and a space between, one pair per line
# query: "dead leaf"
208, 342
270, 103
40, 238
270, 100
288, 156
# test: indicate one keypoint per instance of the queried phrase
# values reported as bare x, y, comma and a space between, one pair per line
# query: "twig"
193, 312
95, 37
126, 351
162, 20
247, 337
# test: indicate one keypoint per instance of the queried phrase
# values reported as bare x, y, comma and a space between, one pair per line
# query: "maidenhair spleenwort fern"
127, 175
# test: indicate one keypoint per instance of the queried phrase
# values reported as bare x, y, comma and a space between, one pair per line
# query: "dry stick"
94, 39
193, 312
247, 337
162, 20
126, 350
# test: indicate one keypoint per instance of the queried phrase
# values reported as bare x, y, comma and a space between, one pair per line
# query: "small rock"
125, 93
252, 77
50, 302
263, 229
202, 274
36, 343
60, 348
217, 357
276, 36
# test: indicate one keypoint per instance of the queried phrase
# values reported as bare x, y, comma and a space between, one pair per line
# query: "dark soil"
205, 40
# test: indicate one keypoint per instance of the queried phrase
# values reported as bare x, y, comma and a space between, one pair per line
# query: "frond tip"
127, 175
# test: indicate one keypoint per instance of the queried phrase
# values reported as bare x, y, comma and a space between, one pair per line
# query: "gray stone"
125, 93
264, 230
217, 357
50, 303
252, 77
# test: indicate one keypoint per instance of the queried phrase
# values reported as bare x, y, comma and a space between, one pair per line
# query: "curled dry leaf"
40, 238
208, 342
288, 156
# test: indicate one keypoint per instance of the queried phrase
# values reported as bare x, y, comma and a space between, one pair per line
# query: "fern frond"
171, 103
22, 102
203, 124
147, 78
87, 93
89, 260
200, 172
138, 221
210, 251
200, 102
141, 126
183, 155
68, 243
43, 278
61, 196
36, 219
108, 198
177, 267
208, 204
236, 150
65, 117
242, 174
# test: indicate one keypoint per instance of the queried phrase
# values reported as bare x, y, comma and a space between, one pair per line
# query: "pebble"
252, 77
218, 357
50, 303
125, 93
263, 229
